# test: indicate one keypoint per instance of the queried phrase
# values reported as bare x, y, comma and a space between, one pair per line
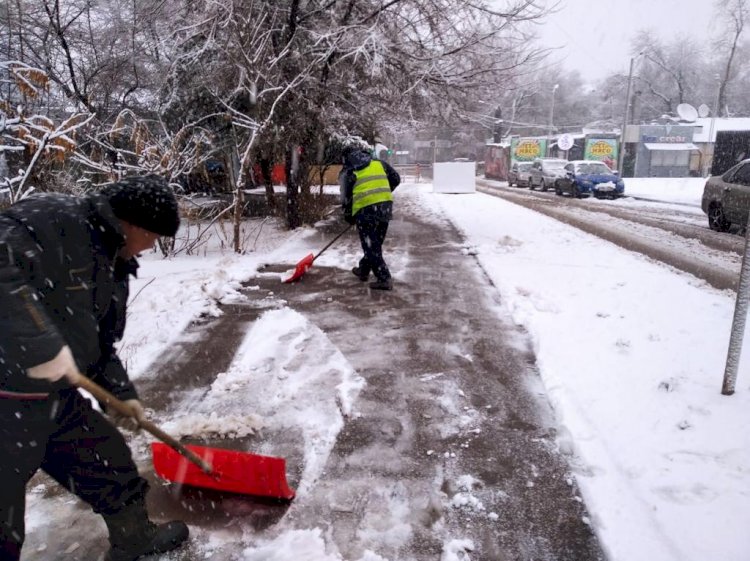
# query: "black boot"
360, 274
132, 535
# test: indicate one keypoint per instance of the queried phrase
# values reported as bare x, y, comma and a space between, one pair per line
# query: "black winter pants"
63, 435
372, 233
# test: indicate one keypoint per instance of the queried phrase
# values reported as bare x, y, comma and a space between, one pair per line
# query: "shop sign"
674, 139
602, 149
526, 149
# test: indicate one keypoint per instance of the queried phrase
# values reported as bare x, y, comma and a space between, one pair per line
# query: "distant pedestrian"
65, 264
366, 185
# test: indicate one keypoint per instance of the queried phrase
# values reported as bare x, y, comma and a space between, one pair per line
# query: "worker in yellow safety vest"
366, 187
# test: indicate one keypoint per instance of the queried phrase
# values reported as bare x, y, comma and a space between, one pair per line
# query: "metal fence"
414, 172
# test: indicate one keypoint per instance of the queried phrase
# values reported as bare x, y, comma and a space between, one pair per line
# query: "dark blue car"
584, 178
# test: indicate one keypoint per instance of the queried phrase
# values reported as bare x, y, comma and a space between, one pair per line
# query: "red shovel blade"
234, 472
302, 268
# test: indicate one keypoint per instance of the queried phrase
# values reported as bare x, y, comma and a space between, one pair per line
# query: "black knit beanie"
146, 201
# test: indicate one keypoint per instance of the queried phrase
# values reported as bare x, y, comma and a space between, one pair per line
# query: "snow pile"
464, 498
291, 375
171, 294
457, 550
683, 190
221, 288
213, 425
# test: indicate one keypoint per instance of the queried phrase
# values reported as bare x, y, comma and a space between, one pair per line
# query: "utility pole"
621, 153
551, 120
738, 322
711, 140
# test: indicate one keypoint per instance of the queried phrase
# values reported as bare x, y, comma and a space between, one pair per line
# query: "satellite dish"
704, 110
687, 112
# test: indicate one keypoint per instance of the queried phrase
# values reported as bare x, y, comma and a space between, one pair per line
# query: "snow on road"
677, 244
676, 235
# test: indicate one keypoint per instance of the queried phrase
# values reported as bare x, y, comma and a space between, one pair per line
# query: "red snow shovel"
199, 466
307, 262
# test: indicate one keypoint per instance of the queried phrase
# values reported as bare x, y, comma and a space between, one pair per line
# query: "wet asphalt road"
443, 341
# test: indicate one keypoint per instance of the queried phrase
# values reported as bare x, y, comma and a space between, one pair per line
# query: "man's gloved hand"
128, 422
62, 366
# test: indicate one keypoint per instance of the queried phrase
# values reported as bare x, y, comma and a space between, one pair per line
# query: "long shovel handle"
329, 244
111, 401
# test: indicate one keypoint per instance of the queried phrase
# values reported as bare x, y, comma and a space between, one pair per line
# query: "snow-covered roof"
604, 129
703, 127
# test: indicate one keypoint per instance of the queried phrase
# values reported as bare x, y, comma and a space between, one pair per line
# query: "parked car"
519, 174
544, 172
584, 178
726, 198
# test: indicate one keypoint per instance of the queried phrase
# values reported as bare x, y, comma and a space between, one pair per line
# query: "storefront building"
664, 151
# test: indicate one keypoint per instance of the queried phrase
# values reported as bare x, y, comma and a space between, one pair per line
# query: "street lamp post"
711, 140
551, 119
621, 154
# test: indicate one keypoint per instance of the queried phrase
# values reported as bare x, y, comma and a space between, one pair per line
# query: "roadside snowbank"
682, 190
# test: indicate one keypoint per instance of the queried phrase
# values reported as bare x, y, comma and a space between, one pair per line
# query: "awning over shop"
671, 146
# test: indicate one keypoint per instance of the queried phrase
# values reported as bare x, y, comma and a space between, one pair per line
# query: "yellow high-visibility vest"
371, 187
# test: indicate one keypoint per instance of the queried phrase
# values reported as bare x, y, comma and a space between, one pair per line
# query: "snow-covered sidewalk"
680, 190
632, 356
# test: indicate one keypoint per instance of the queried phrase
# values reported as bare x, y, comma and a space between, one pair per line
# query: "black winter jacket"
355, 161
61, 282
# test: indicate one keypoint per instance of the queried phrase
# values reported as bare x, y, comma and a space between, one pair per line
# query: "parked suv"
544, 172
726, 198
519, 174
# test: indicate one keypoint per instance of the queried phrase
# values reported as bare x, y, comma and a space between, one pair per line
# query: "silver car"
726, 198
544, 172
519, 174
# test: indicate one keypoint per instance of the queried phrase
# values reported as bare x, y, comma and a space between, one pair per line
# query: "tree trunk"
234, 181
739, 25
292, 196
239, 203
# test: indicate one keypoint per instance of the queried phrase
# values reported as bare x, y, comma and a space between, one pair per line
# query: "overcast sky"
594, 35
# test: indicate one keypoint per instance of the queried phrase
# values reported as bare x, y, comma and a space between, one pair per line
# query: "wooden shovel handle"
110, 400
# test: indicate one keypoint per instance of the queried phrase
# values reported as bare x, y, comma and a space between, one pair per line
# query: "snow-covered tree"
734, 14
289, 74
668, 73
29, 138
103, 56
254, 81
